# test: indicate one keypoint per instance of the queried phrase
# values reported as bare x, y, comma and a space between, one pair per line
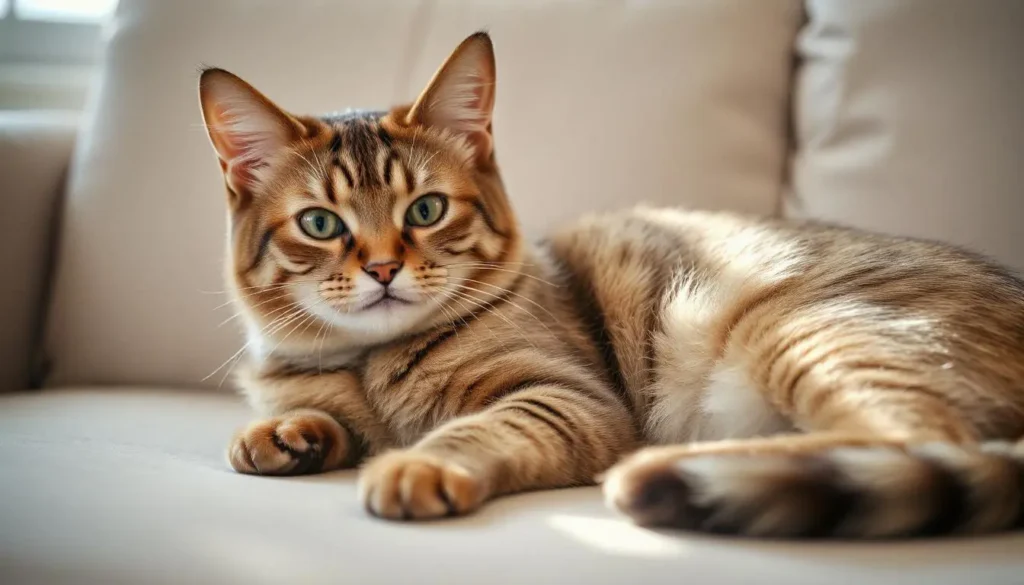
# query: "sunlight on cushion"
618, 537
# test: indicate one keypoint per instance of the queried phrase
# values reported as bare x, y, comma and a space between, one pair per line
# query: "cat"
719, 373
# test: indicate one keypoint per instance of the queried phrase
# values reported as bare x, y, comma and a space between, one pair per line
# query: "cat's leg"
885, 470
317, 422
541, 436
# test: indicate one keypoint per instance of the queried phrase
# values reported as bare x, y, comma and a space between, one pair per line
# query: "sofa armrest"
35, 148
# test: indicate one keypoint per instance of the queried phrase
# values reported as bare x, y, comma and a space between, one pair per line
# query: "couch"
899, 116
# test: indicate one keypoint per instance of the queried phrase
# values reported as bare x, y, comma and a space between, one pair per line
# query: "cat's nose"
383, 272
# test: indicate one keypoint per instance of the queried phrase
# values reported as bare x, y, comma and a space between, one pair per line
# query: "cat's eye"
321, 224
426, 210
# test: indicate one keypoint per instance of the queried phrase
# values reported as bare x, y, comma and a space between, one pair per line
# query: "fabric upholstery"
600, 105
109, 487
34, 151
908, 120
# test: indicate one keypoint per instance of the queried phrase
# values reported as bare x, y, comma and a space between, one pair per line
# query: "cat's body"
728, 317
793, 373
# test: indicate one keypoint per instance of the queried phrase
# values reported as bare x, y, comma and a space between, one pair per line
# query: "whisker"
485, 325
511, 292
240, 313
287, 307
498, 314
320, 165
304, 320
448, 313
489, 263
273, 286
520, 307
261, 286
291, 318
423, 165
526, 274
320, 352
233, 356
317, 172
475, 302
224, 304
283, 319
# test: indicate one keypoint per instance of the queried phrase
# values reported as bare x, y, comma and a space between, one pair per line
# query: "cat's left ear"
460, 97
246, 129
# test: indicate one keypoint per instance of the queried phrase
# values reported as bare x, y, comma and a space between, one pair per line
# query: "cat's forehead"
359, 146
362, 159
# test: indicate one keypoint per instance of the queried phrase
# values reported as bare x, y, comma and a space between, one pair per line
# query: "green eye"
321, 224
426, 210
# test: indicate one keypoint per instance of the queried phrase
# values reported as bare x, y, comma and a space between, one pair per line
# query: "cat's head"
375, 224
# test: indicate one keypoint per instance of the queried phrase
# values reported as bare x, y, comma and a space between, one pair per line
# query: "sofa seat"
105, 485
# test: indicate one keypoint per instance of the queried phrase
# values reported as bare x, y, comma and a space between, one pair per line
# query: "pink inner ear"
241, 152
246, 128
461, 107
240, 172
238, 167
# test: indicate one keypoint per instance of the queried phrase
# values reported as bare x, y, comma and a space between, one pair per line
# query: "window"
49, 50
62, 10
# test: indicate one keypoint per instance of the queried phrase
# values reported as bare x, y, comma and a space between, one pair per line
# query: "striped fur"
802, 380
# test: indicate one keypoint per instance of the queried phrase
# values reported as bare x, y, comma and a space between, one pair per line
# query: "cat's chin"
380, 320
386, 304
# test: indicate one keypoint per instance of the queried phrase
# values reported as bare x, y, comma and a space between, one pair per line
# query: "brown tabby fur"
807, 380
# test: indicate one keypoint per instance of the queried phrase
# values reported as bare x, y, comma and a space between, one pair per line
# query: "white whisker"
497, 314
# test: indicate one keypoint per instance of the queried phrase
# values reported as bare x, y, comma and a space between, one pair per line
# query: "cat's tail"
844, 492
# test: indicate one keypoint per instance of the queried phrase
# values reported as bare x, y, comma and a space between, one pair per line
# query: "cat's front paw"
294, 443
404, 485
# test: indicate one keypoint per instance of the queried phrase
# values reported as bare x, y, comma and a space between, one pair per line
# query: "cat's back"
636, 262
636, 259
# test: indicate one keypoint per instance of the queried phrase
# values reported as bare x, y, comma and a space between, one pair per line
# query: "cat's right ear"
245, 127
460, 97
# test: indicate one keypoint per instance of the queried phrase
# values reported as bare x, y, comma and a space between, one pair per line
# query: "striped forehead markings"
358, 146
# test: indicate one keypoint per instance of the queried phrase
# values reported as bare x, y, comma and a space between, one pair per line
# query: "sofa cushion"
599, 105
35, 148
908, 119
103, 486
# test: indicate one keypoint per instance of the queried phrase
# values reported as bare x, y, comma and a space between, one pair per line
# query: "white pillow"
599, 105
910, 120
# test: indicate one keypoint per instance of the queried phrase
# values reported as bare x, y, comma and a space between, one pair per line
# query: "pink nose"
383, 272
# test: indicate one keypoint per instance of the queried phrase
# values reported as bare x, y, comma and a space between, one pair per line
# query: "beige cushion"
909, 120
125, 487
599, 105
34, 151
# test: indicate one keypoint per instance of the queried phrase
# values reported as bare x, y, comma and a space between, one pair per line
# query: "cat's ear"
460, 97
245, 127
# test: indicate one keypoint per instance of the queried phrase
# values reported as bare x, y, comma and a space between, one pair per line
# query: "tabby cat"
803, 380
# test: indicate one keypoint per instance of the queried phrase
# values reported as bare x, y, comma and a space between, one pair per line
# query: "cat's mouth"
387, 300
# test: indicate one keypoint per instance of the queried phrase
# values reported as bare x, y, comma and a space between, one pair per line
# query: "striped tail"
842, 492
